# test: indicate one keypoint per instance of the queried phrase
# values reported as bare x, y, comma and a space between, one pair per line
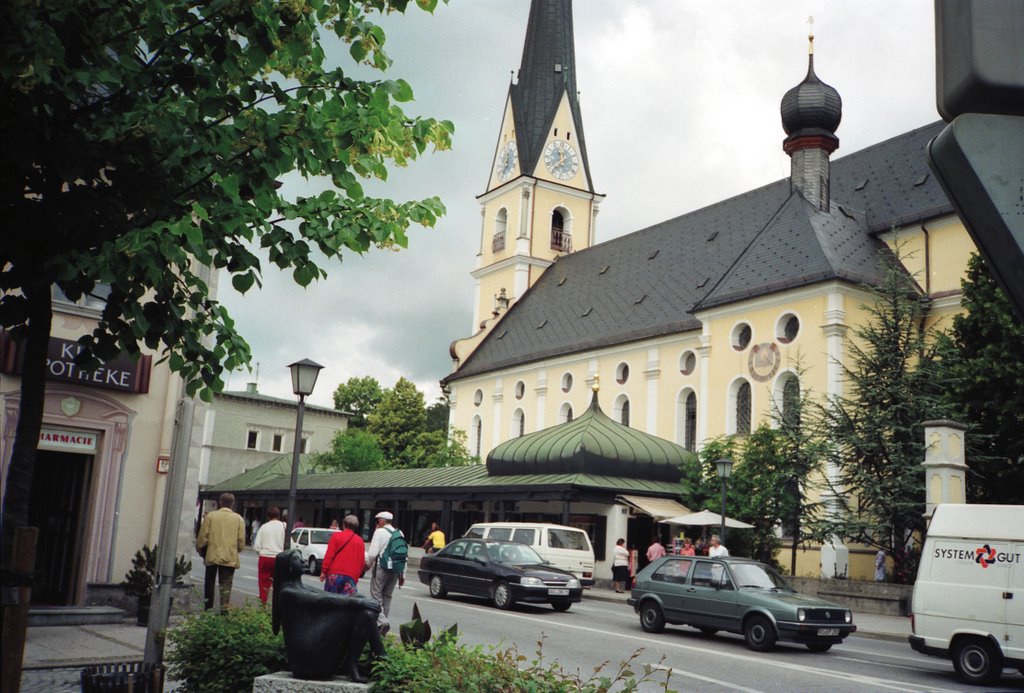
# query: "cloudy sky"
680, 102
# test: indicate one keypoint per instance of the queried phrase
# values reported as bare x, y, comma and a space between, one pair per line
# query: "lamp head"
724, 466
304, 374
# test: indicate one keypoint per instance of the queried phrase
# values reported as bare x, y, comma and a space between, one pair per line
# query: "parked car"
737, 595
311, 543
967, 602
506, 572
564, 547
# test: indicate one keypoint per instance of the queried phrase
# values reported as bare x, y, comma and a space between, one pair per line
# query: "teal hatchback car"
736, 595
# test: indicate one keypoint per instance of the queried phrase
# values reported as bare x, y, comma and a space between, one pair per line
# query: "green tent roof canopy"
590, 444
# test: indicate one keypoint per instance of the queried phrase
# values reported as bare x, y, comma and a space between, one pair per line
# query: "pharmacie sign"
68, 439
122, 373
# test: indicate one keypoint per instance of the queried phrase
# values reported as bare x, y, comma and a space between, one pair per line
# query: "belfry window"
561, 234
500, 229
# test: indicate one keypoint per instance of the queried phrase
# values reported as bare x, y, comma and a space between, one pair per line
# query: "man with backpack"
386, 555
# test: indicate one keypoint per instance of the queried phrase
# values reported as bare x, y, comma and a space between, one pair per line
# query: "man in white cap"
382, 584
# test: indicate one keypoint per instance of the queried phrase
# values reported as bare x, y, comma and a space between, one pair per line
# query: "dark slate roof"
591, 443
648, 283
437, 482
536, 95
801, 246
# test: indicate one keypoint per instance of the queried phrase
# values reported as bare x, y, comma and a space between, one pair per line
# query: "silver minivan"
564, 547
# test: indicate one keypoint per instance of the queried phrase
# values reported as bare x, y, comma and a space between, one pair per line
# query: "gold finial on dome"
597, 383
810, 35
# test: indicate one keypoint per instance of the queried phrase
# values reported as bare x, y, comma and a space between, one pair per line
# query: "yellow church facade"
700, 326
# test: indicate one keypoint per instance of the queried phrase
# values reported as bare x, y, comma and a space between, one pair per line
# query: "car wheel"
437, 589
651, 618
501, 595
819, 646
708, 631
759, 633
977, 661
561, 606
314, 569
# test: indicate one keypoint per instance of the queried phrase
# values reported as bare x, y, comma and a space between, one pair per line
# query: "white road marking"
812, 670
718, 682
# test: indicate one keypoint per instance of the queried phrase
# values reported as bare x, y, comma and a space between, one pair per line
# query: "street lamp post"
304, 375
724, 470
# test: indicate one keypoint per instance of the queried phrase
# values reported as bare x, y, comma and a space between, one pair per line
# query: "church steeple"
540, 202
547, 74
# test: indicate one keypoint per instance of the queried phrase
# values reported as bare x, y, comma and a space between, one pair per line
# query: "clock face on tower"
561, 160
506, 161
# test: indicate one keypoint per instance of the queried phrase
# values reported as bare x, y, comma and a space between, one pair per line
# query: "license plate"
826, 632
558, 593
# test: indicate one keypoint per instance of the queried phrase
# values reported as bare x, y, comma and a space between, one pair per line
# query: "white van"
969, 596
564, 547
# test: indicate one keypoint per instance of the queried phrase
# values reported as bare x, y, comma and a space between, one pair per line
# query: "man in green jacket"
221, 538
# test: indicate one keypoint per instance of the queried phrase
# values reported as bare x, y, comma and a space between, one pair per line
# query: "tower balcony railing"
561, 240
497, 242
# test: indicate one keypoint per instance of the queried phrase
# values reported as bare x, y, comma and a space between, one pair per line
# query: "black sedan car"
505, 572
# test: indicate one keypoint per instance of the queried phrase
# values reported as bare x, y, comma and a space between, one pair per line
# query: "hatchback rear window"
673, 571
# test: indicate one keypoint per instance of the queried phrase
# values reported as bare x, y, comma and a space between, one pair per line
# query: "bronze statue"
324, 633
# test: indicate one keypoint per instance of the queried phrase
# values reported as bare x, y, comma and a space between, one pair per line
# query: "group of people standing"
623, 570
221, 539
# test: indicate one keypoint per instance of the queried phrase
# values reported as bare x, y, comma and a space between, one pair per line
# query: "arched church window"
690, 422
791, 401
500, 229
518, 423
621, 410
743, 406
477, 434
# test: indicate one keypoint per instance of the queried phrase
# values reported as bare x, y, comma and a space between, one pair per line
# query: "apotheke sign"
122, 373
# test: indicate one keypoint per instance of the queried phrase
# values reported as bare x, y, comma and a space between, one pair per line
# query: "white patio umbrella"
706, 517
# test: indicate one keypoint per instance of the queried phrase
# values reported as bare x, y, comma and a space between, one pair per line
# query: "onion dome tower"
811, 112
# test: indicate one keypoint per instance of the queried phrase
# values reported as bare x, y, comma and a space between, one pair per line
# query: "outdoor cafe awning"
706, 518
658, 508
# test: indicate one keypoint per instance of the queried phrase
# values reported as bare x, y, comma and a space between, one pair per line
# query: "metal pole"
721, 530
170, 522
295, 473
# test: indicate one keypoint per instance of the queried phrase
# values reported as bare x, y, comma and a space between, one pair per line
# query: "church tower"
540, 202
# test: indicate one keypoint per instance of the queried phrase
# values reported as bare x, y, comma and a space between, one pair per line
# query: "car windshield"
320, 536
759, 576
512, 553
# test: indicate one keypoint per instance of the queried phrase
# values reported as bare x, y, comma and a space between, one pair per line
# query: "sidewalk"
55, 655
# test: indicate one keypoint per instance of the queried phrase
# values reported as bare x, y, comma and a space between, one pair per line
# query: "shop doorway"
60, 489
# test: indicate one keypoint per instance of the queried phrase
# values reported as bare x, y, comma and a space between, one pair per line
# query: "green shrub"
443, 665
141, 579
223, 653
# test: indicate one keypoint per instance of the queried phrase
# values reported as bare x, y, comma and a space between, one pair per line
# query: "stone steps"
74, 615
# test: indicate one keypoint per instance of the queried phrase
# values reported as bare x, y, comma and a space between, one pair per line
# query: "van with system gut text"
968, 602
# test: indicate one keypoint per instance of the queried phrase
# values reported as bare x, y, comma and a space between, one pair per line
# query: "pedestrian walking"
269, 542
620, 566
435, 540
345, 559
221, 538
387, 555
